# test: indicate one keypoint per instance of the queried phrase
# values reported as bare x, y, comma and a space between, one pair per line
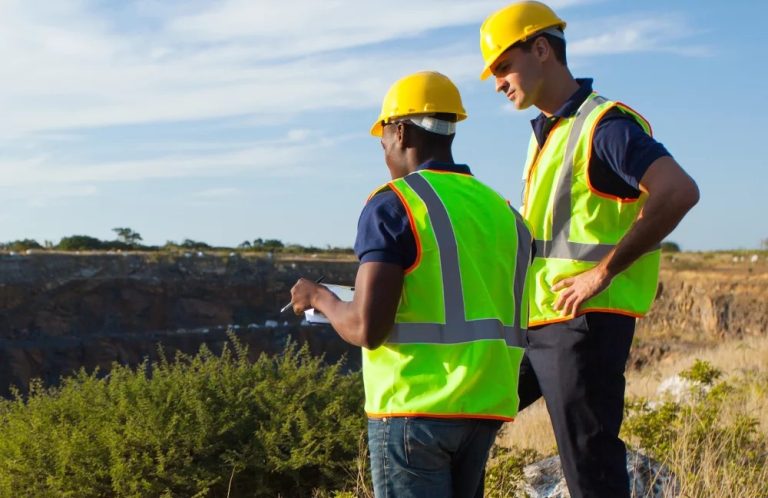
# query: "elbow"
689, 196
371, 336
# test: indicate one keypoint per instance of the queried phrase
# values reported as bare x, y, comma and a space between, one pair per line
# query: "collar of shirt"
542, 124
441, 166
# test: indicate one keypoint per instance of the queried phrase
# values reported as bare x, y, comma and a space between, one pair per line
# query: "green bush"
21, 245
80, 243
710, 441
206, 425
669, 246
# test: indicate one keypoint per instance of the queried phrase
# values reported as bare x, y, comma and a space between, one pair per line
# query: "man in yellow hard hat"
439, 299
600, 195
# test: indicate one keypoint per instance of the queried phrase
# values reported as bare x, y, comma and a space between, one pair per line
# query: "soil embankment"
59, 312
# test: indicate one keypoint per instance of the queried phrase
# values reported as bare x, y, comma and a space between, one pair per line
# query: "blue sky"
236, 119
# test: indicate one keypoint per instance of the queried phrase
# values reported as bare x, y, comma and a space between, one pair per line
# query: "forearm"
345, 317
369, 317
671, 194
660, 215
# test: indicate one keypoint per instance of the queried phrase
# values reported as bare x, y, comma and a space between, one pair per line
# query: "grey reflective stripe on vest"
560, 246
524, 243
456, 328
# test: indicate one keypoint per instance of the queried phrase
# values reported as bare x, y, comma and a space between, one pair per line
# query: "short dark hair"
557, 44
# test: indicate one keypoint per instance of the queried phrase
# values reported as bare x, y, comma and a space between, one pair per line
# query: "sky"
231, 120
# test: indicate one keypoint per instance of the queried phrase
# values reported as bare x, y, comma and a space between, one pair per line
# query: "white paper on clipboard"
343, 292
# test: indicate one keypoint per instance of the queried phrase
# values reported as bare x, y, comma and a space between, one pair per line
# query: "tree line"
128, 239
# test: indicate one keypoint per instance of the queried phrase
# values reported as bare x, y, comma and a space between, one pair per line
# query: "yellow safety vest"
454, 350
575, 226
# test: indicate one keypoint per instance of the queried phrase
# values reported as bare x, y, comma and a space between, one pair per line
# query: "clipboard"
343, 292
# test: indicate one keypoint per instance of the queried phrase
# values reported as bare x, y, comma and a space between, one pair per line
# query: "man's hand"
671, 194
303, 294
579, 288
368, 318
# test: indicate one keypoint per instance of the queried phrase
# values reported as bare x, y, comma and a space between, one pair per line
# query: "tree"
764, 244
193, 244
127, 236
668, 246
21, 245
272, 244
80, 242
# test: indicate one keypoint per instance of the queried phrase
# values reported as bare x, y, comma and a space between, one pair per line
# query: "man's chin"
521, 105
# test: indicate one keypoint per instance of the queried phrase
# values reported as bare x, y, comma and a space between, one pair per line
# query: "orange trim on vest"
581, 312
647, 123
415, 232
440, 415
536, 163
621, 200
441, 172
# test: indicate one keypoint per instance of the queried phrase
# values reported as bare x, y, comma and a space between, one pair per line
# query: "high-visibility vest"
575, 226
454, 349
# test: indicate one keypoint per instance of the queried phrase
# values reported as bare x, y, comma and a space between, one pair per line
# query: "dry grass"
736, 358
531, 429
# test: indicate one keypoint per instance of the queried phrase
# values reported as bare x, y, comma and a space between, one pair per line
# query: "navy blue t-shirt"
621, 150
384, 233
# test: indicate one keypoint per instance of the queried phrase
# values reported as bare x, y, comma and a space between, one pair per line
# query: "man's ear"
541, 48
403, 135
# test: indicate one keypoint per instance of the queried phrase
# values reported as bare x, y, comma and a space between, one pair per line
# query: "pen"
285, 308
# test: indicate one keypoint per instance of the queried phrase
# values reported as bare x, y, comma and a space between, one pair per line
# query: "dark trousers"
578, 366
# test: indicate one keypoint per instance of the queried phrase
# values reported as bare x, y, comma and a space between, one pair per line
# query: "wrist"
318, 296
605, 272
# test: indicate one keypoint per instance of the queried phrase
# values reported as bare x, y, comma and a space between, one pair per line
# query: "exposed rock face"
62, 295
710, 303
59, 312
702, 305
648, 479
62, 311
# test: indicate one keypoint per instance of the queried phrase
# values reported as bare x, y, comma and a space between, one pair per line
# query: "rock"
708, 305
648, 478
118, 307
679, 389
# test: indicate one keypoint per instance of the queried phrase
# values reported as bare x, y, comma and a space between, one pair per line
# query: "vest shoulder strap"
378, 191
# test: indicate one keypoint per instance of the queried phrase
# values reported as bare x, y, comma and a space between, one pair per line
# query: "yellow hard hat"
514, 23
426, 92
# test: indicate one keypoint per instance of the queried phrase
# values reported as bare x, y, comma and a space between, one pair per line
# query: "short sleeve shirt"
384, 234
621, 150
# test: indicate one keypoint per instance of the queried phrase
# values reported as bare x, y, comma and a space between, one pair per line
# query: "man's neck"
420, 158
559, 87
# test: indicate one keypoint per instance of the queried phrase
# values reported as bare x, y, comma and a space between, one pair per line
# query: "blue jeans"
418, 457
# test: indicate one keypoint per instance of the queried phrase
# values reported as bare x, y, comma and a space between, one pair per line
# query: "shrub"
668, 246
80, 243
205, 425
711, 443
21, 245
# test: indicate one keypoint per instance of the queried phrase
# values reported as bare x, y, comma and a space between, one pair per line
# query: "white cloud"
70, 66
284, 157
660, 32
67, 65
